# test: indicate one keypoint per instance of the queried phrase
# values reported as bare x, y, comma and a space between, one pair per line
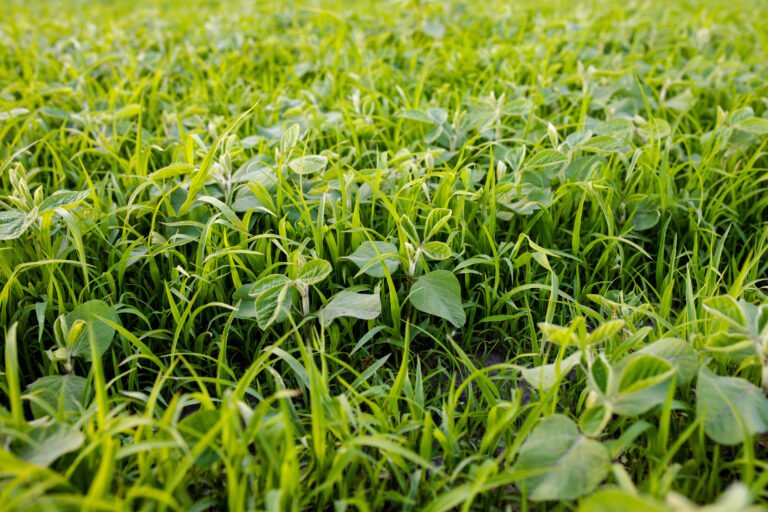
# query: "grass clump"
383, 256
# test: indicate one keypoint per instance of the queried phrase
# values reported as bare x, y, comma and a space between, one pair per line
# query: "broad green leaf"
602, 376
289, 139
676, 352
524, 199
755, 126
273, 305
726, 308
409, 229
515, 157
46, 444
732, 408
558, 334
572, 464
352, 304
436, 250
267, 283
613, 499
604, 331
643, 384
259, 169
245, 200
62, 199
90, 312
436, 219
416, 115
63, 394
682, 102
617, 127
373, 257
594, 419
605, 144
314, 272
737, 346
736, 498
274, 297
14, 223
439, 293
645, 214
308, 164
545, 376
656, 128
548, 161
644, 371
244, 302
581, 167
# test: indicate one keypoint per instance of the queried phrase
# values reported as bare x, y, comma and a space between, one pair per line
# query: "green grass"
566, 305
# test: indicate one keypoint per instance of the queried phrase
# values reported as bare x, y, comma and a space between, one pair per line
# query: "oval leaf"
314, 271
356, 305
373, 257
62, 199
439, 293
63, 394
14, 223
572, 464
436, 250
726, 308
91, 313
732, 408
308, 164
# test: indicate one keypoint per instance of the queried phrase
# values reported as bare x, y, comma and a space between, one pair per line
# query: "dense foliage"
399, 255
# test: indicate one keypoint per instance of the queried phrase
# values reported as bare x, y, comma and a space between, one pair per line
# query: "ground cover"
383, 255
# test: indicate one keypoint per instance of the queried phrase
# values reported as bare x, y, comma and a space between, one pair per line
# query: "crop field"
366, 256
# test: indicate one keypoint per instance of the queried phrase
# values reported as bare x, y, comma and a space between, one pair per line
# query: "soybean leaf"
738, 346
644, 371
594, 419
46, 444
676, 352
314, 272
726, 308
62, 199
613, 499
14, 223
755, 126
602, 376
91, 313
436, 250
732, 408
352, 304
439, 293
244, 302
274, 299
558, 334
409, 229
642, 385
605, 144
545, 376
64, 394
308, 164
289, 138
572, 464
373, 257
604, 331
436, 219
548, 161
